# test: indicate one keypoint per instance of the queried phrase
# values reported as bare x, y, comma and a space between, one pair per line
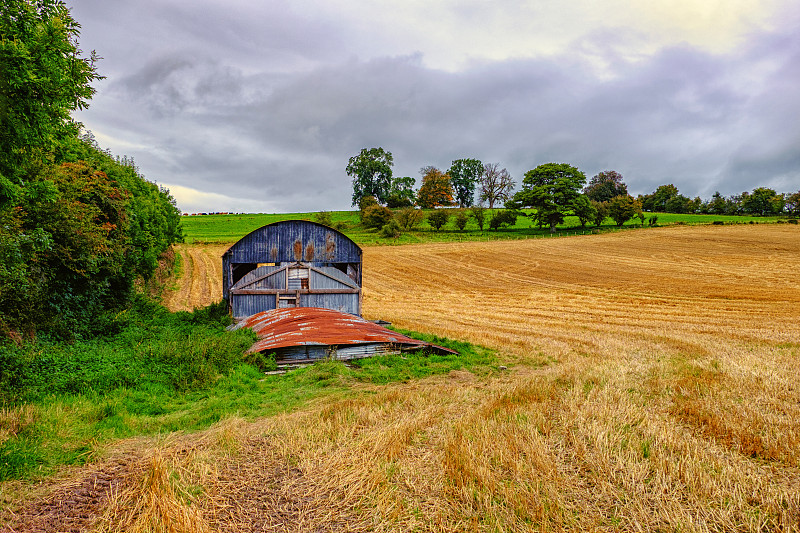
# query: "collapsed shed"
307, 334
293, 263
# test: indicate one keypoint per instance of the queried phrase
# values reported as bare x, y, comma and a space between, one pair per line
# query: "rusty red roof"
305, 326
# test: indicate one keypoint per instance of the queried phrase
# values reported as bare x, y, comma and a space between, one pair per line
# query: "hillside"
650, 385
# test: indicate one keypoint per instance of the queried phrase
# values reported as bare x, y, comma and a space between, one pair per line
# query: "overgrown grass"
231, 228
164, 372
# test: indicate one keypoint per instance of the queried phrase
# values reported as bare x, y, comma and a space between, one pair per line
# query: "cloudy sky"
238, 105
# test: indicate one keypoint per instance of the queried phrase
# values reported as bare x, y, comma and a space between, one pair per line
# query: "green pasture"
231, 228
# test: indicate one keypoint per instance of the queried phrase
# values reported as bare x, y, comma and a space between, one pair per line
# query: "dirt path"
200, 281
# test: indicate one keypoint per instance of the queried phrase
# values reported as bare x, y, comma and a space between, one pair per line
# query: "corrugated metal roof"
313, 326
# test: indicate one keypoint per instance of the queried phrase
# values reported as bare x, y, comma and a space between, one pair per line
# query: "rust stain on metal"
298, 250
273, 253
302, 326
310, 251
330, 246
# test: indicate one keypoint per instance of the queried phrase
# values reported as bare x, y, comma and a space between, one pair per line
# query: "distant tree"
601, 212
438, 218
551, 189
376, 216
464, 175
495, 184
678, 204
461, 220
503, 218
605, 186
793, 204
401, 193
763, 202
435, 190
584, 209
658, 200
371, 172
623, 208
409, 218
717, 204
478, 212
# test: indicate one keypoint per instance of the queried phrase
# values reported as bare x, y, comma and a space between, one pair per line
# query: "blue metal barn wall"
291, 241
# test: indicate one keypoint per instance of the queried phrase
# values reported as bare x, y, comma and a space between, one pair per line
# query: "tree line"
78, 227
552, 191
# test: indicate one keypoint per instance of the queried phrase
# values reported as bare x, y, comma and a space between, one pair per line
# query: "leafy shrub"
390, 230
438, 218
376, 216
718, 223
653, 220
324, 218
792, 221
461, 220
503, 217
150, 346
366, 202
263, 362
478, 212
409, 218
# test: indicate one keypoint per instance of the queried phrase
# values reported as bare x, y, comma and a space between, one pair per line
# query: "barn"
293, 263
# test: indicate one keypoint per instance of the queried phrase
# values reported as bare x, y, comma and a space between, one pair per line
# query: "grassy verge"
164, 372
230, 228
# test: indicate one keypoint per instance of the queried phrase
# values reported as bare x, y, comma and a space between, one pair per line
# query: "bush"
324, 218
479, 214
390, 230
409, 218
653, 220
376, 216
365, 202
438, 218
461, 220
501, 218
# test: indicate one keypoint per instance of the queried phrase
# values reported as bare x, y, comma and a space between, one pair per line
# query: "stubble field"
652, 384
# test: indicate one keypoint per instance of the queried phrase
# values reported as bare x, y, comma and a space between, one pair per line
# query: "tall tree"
584, 209
496, 184
464, 175
551, 189
763, 201
435, 190
43, 77
658, 200
401, 192
717, 204
623, 208
605, 186
793, 204
371, 172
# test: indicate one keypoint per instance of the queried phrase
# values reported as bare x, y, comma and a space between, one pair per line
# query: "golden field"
652, 385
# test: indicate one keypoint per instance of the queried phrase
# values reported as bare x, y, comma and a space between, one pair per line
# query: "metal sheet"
333, 331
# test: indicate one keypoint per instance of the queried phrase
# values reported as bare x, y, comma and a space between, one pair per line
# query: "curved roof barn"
293, 263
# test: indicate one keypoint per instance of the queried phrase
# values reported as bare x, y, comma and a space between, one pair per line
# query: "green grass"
231, 228
161, 372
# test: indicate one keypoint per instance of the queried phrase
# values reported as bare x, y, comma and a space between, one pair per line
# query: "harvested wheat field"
652, 386
200, 281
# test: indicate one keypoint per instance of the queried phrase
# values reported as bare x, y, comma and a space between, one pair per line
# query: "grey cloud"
704, 122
